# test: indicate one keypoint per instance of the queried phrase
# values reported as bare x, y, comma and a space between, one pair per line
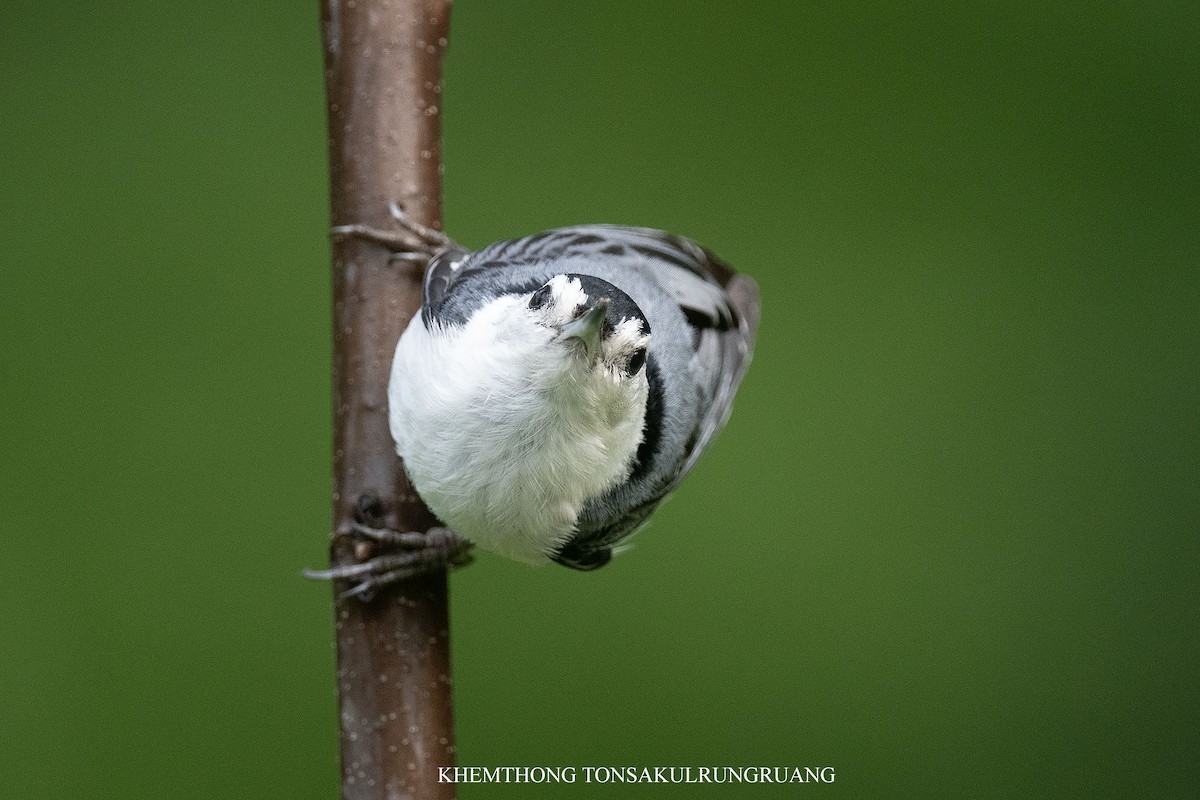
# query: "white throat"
505, 432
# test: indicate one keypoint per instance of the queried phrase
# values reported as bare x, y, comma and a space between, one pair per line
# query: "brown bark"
383, 82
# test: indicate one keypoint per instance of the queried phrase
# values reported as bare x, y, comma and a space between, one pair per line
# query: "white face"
623, 342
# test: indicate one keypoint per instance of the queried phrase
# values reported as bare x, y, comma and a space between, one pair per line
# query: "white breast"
504, 436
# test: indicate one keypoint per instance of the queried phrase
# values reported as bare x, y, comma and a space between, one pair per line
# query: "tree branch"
383, 82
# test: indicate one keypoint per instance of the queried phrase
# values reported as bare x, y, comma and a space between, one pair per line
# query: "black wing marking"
721, 309
439, 277
722, 357
696, 277
721, 306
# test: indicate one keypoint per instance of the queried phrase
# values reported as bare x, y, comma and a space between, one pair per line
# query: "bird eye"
636, 361
540, 297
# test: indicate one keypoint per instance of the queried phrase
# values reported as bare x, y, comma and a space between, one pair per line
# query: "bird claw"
431, 237
414, 243
411, 553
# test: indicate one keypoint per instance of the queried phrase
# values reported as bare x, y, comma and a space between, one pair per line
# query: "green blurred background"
947, 545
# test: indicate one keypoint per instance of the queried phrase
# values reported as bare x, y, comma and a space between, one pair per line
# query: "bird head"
598, 327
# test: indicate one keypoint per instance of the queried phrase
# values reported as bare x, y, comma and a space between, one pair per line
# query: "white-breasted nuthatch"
555, 388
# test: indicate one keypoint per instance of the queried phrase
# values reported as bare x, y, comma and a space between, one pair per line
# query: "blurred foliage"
947, 545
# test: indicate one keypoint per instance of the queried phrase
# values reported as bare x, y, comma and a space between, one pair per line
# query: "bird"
555, 388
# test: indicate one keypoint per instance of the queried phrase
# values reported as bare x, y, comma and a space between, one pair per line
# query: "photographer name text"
570, 774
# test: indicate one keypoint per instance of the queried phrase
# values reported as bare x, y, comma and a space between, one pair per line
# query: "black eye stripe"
621, 305
636, 361
540, 297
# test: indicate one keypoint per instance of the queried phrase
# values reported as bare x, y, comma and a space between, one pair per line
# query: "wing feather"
720, 306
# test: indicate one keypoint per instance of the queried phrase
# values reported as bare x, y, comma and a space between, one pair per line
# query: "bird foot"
413, 243
408, 554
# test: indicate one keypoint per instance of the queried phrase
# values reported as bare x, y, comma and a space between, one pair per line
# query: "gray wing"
719, 307
722, 309
440, 275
